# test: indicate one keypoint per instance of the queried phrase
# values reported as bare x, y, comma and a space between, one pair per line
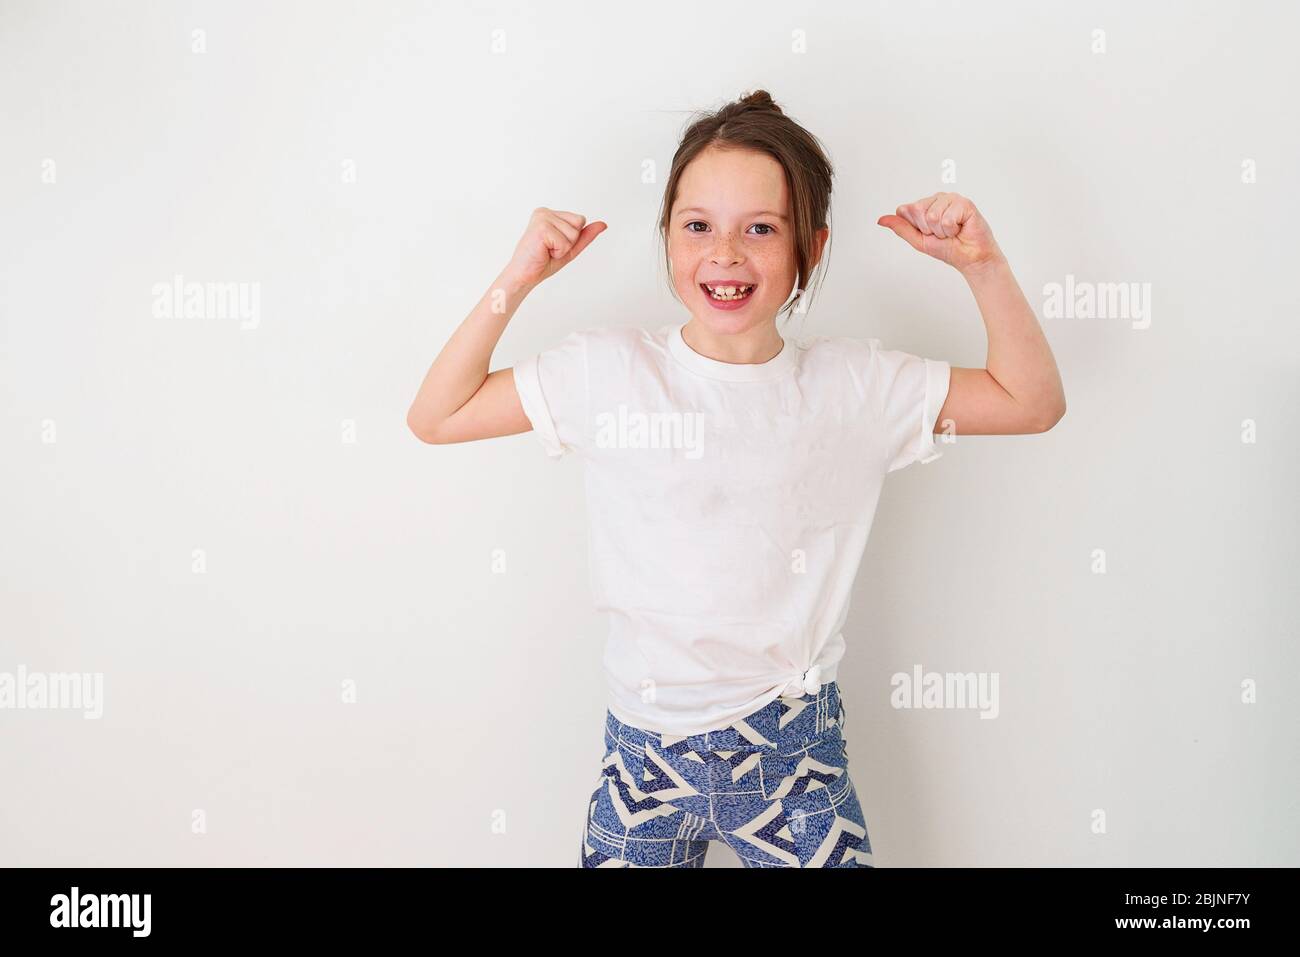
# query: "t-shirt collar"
778, 365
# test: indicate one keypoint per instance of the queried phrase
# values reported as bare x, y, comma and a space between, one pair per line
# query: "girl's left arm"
1019, 391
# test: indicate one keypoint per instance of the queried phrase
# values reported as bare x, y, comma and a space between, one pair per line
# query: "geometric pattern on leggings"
774, 786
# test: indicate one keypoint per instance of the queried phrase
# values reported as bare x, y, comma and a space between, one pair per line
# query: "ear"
819, 244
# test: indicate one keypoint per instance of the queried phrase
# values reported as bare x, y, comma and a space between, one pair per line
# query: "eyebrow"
761, 212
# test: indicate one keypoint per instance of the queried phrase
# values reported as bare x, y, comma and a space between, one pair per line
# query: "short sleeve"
910, 392
553, 390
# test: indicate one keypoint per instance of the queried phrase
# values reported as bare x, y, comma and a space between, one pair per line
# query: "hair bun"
760, 99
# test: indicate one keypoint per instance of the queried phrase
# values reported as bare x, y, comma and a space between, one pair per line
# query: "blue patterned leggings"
773, 786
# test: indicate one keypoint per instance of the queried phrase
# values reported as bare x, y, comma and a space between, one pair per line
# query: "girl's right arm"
459, 400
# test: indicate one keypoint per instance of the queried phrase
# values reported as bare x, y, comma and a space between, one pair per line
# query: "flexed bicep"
978, 405
494, 410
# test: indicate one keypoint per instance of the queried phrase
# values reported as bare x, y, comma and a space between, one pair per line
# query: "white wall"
480, 693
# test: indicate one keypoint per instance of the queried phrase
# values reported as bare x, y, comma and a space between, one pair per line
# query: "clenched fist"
948, 227
552, 240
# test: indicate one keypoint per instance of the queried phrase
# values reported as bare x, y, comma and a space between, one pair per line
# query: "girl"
732, 477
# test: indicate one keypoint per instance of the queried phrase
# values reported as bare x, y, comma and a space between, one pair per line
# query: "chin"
731, 321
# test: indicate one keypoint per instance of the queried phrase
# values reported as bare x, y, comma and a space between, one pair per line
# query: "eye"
697, 222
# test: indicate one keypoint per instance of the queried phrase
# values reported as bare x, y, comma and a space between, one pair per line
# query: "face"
730, 225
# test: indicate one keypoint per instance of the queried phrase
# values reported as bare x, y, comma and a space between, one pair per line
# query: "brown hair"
756, 123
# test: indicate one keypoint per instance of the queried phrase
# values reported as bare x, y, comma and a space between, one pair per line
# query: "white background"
479, 695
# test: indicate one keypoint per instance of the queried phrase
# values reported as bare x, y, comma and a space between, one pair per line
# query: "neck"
750, 347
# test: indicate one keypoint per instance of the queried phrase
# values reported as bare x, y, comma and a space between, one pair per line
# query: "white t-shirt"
728, 505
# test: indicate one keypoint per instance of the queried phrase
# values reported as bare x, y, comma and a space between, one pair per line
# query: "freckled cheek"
777, 270
684, 270
686, 265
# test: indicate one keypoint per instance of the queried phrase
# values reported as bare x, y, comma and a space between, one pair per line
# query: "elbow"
422, 430
1051, 416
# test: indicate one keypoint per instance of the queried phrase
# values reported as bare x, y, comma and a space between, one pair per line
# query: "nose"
725, 252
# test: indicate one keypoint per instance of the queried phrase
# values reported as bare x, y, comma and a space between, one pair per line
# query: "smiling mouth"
728, 293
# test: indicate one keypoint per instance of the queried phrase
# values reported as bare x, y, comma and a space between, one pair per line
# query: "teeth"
729, 292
